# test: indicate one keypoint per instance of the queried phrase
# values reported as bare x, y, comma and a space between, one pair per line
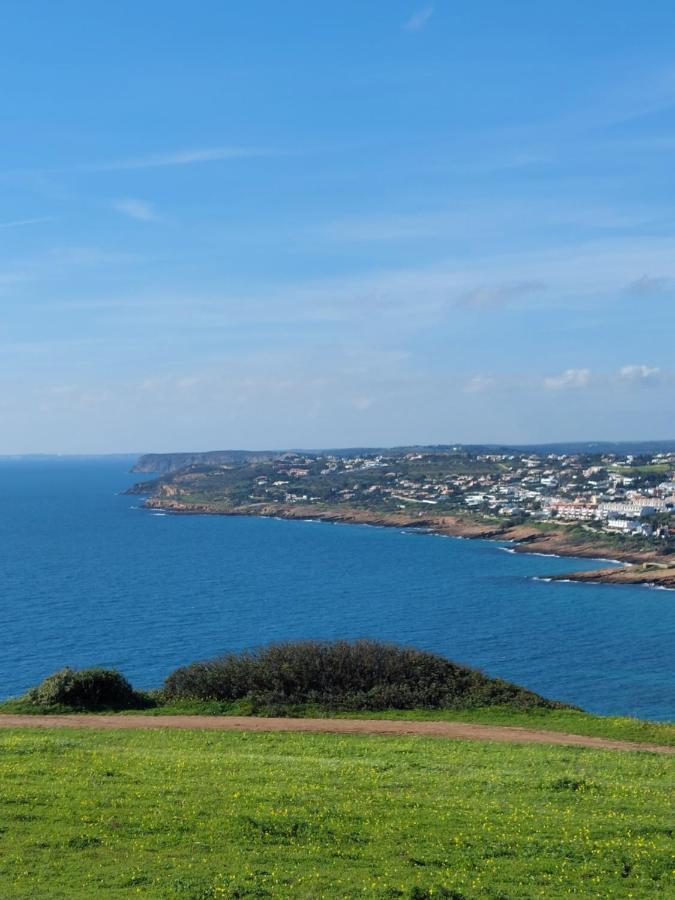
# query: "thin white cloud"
570, 378
137, 209
640, 374
18, 223
177, 158
419, 20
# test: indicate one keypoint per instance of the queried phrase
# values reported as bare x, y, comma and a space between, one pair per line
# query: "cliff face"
163, 463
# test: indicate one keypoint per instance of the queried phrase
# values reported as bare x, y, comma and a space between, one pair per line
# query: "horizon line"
298, 449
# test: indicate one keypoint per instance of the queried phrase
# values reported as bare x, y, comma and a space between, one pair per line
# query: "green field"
200, 815
619, 728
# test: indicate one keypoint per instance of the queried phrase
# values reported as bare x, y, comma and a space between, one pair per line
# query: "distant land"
162, 463
67, 457
595, 499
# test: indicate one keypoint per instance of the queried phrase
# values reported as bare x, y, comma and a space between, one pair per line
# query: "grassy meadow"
201, 815
620, 728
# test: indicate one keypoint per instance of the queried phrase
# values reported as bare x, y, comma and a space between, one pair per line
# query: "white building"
630, 526
632, 508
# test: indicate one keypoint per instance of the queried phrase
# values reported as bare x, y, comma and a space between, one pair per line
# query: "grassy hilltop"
199, 815
194, 816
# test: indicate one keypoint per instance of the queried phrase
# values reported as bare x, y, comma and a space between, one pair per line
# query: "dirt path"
456, 730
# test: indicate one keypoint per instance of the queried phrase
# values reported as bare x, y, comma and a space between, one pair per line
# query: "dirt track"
453, 730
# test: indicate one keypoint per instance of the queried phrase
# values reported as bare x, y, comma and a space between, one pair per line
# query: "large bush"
85, 689
345, 675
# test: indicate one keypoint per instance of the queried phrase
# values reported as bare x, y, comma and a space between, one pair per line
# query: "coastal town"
604, 493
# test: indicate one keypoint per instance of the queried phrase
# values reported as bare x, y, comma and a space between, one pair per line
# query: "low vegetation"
87, 689
333, 675
354, 675
201, 815
362, 679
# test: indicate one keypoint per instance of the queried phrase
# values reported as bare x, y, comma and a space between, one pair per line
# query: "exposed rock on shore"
652, 575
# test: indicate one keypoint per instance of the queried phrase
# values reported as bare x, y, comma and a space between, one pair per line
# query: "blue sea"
89, 578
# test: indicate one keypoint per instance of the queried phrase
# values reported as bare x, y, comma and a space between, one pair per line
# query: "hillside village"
605, 493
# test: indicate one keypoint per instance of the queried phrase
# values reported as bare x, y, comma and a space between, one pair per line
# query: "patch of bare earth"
452, 730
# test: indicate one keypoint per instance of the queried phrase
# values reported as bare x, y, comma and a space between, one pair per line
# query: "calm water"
87, 578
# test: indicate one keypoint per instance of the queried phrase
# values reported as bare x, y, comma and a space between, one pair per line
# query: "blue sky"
324, 224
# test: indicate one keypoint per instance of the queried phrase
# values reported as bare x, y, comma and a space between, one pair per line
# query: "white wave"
535, 553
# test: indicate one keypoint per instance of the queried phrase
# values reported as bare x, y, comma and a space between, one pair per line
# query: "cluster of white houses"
609, 494
625, 516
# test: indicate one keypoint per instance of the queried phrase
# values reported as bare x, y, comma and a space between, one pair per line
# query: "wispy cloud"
187, 157
634, 375
19, 223
419, 20
175, 158
571, 378
640, 374
137, 209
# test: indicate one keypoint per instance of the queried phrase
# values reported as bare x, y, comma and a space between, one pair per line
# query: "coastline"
639, 568
654, 576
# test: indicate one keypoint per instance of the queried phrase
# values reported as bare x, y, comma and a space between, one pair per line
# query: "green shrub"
362, 674
85, 689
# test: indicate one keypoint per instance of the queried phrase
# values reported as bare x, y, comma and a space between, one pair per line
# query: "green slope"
197, 815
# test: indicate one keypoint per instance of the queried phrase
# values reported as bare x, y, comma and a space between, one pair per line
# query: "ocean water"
86, 577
